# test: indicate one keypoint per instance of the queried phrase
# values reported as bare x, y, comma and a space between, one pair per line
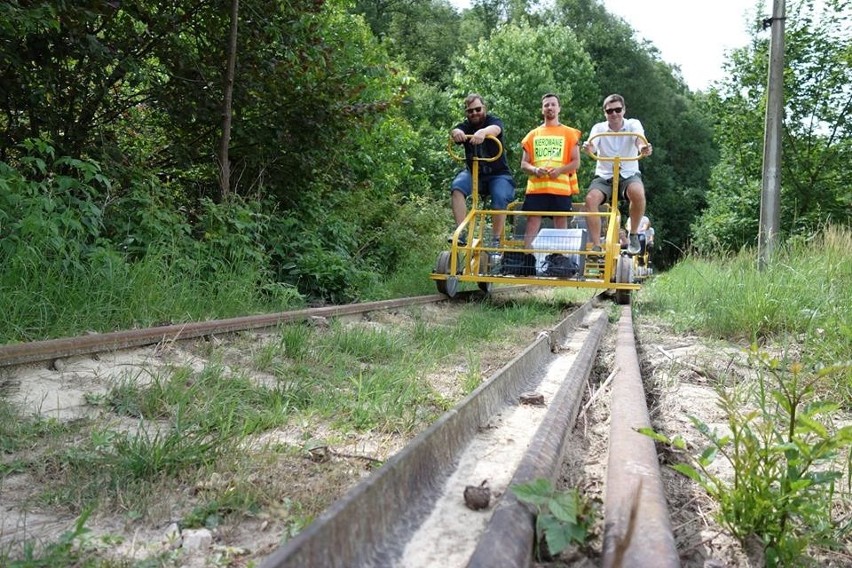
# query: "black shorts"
547, 202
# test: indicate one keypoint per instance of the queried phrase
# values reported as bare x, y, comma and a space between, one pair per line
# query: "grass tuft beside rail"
804, 297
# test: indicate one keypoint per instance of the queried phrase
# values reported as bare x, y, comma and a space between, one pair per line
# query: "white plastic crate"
551, 241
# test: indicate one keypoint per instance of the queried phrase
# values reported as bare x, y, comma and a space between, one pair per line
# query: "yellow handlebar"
452, 144
614, 158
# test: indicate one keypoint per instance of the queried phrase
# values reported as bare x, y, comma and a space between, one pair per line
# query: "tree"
380, 13
816, 130
317, 133
426, 37
224, 141
70, 70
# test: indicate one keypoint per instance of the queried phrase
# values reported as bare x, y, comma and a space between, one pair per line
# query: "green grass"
41, 298
803, 299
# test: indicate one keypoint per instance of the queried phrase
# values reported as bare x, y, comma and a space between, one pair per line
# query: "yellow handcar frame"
471, 261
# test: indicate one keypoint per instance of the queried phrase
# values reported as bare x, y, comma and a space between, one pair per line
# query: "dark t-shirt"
487, 149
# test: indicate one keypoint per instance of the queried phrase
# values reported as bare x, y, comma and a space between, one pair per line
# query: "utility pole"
771, 183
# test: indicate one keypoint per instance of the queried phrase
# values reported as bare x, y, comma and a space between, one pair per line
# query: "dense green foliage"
111, 115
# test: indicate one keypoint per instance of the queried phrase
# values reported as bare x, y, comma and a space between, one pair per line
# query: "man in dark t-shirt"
495, 178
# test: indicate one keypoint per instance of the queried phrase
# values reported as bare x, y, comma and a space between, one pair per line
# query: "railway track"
411, 511
36, 351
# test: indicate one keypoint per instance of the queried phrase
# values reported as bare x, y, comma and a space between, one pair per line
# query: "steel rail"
371, 524
637, 530
32, 352
509, 539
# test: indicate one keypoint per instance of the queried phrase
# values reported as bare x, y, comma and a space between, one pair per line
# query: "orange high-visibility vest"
550, 147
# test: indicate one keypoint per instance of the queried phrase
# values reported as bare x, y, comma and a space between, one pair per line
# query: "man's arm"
458, 135
575, 161
479, 136
643, 146
591, 147
528, 168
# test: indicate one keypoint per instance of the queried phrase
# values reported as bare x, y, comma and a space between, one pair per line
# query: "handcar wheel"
485, 269
450, 286
623, 275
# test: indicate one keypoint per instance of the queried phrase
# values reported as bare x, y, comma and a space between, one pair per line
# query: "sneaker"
494, 256
633, 246
462, 239
596, 254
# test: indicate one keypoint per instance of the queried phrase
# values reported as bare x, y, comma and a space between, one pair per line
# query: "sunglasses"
473, 110
615, 109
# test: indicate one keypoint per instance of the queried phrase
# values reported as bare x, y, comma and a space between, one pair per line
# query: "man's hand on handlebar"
476, 138
458, 136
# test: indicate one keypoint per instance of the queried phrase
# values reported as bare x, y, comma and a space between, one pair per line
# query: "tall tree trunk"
224, 159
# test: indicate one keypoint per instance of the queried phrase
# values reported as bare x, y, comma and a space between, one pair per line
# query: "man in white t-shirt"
630, 184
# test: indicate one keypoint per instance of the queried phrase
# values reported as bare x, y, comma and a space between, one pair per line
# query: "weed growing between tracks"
782, 421
562, 518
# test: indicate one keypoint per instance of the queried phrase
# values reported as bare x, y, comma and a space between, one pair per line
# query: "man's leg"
533, 225
502, 191
497, 224
459, 190
636, 195
593, 199
459, 204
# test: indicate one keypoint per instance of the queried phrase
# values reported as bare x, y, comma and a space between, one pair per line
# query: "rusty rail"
637, 531
21, 353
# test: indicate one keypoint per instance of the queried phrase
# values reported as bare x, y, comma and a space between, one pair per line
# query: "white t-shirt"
611, 146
